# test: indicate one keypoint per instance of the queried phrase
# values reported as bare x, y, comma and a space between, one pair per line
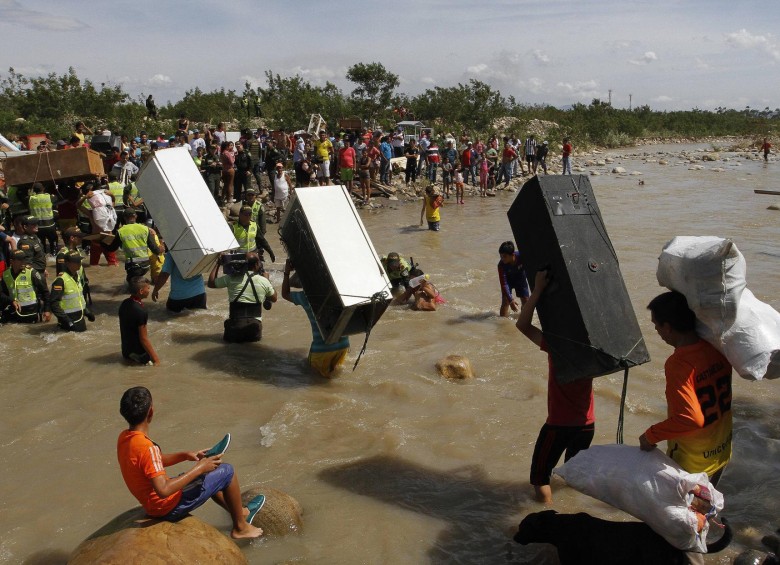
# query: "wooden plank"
772, 192
376, 185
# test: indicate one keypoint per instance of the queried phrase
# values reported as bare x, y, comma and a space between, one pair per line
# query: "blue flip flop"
254, 507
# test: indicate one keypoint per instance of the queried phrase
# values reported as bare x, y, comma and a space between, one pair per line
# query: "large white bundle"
710, 272
646, 484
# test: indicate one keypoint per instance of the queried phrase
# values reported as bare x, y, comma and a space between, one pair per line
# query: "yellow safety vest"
21, 287
257, 208
41, 207
246, 236
135, 239
17, 206
64, 252
117, 191
72, 300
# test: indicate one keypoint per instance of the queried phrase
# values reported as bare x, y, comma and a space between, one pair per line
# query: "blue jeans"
195, 494
566, 166
384, 171
432, 171
504, 170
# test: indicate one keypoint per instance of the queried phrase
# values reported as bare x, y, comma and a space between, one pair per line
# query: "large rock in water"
455, 367
133, 538
279, 516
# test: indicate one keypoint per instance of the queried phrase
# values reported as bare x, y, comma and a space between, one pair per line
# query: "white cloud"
663, 98
428, 80
743, 39
535, 85
540, 56
12, 12
581, 89
479, 69
645, 59
158, 80
317, 74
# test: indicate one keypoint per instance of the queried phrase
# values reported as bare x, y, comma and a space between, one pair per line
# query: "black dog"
582, 539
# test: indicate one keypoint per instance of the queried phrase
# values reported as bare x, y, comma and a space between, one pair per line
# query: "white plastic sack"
648, 485
710, 272
103, 212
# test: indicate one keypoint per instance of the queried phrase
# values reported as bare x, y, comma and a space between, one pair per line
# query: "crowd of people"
100, 217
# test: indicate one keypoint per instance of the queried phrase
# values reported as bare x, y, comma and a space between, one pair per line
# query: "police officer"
31, 245
258, 210
67, 297
137, 240
73, 237
397, 269
211, 167
117, 190
42, 207
25, 290
249, 236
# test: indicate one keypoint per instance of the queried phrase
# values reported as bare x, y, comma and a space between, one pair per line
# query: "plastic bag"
648, 485
710, 272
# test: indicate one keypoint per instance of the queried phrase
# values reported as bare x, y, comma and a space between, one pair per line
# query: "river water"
391, 463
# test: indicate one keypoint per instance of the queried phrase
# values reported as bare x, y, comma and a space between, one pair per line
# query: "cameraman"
248, 291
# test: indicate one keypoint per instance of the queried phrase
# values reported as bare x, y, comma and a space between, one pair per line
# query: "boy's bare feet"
247, 532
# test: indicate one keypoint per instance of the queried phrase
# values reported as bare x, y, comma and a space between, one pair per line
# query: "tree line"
55, 102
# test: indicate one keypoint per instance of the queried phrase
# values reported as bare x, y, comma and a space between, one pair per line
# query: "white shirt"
195, 143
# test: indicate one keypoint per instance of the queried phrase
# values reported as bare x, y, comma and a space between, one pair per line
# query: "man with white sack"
697, 430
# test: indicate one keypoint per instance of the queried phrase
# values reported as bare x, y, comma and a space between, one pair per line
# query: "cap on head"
73, 232
30, 221
18, 255
130, 213
245, 211
73, 257
251, 191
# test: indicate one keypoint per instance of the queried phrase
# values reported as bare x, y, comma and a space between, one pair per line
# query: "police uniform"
137, 241
27, 288
32, 247
251, 238
67, 299
62, 256
42, 207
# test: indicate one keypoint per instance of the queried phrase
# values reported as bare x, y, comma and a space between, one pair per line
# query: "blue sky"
667, 54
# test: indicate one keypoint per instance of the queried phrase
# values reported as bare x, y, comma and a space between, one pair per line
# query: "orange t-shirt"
698, 395
140, 461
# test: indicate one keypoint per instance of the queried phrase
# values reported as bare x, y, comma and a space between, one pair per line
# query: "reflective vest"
134, 242
21, 287
257, 208
246, 236
72, 300
17, 206
41, 207
117, 191
133, 192
61, 265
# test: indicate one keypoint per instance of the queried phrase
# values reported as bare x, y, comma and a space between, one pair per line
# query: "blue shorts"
520, 286
433, 226
195, 494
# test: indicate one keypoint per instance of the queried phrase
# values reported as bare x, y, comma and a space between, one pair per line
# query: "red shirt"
566, 149
465, 158
347, 158
569, 404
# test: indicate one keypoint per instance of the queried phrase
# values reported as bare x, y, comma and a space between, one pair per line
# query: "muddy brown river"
391, 463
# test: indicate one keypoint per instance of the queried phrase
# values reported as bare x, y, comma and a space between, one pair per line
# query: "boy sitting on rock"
143, 469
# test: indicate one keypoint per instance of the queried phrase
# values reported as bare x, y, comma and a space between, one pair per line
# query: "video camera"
235, 263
